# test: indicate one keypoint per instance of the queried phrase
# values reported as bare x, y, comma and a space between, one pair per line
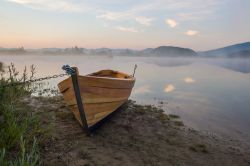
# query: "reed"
19, 128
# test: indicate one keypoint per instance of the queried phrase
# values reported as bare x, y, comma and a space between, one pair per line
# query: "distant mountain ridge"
228, 51
20, 50
240, 54
168, 51
237, 50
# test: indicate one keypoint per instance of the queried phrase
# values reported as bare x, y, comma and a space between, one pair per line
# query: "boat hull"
100, 96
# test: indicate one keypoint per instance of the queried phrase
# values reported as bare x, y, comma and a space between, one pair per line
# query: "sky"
136, 24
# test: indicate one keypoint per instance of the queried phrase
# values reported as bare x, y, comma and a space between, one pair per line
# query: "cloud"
189, 16
55, 5
191, 32
146, 21
189, 80
126, 29
184, 10
126, 15
114, 15
134, 11
135, 8
20, 1
195, 15
172, 23
169, 88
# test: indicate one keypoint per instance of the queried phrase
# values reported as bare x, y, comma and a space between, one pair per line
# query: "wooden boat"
100, 94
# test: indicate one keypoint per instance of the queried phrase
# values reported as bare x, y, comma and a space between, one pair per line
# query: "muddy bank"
137, 135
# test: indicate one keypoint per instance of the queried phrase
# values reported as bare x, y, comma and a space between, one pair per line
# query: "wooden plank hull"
101, 93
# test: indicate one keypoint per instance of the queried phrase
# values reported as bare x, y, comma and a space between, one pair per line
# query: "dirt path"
138, 135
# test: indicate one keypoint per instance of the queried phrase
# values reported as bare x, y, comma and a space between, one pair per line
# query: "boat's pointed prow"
95, 96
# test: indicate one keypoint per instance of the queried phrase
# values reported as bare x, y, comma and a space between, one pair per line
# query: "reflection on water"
204, 92
142, 89
169, 88
170, 62
240, 65
189, 80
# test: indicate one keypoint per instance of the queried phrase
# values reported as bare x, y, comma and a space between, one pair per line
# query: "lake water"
210, 95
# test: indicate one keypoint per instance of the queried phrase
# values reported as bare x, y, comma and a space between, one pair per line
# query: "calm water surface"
209, 94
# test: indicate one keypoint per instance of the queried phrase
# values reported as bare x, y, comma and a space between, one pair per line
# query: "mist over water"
210, 94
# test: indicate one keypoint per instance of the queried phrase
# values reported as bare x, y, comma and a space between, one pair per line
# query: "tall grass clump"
19, 127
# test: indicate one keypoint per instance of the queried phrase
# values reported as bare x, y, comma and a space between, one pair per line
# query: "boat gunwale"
131, 78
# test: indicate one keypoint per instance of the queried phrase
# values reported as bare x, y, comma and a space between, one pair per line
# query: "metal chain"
34, 80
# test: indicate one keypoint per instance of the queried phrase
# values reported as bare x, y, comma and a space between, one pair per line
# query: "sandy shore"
138, 135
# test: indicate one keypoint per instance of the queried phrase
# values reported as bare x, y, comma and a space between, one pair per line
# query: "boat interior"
110, 74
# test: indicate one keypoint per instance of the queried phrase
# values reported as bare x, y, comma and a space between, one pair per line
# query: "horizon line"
122, 48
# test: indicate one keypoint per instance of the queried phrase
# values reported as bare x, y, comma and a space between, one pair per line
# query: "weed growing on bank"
20, 129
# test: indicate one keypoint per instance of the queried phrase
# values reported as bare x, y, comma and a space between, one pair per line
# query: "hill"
240, 54
171, 51
237, 49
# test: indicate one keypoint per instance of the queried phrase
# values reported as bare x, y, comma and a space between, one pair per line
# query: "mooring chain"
69, 71
32, 81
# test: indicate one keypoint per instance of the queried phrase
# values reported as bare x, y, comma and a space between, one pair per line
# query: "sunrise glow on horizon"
196, 24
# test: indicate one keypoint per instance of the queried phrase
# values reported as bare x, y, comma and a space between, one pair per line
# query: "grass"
163, 117
25, 158
173, 116
64, 115
178, 123
20, 130
199, 148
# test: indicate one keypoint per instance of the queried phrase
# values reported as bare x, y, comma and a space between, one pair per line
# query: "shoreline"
203, 126
137, 135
